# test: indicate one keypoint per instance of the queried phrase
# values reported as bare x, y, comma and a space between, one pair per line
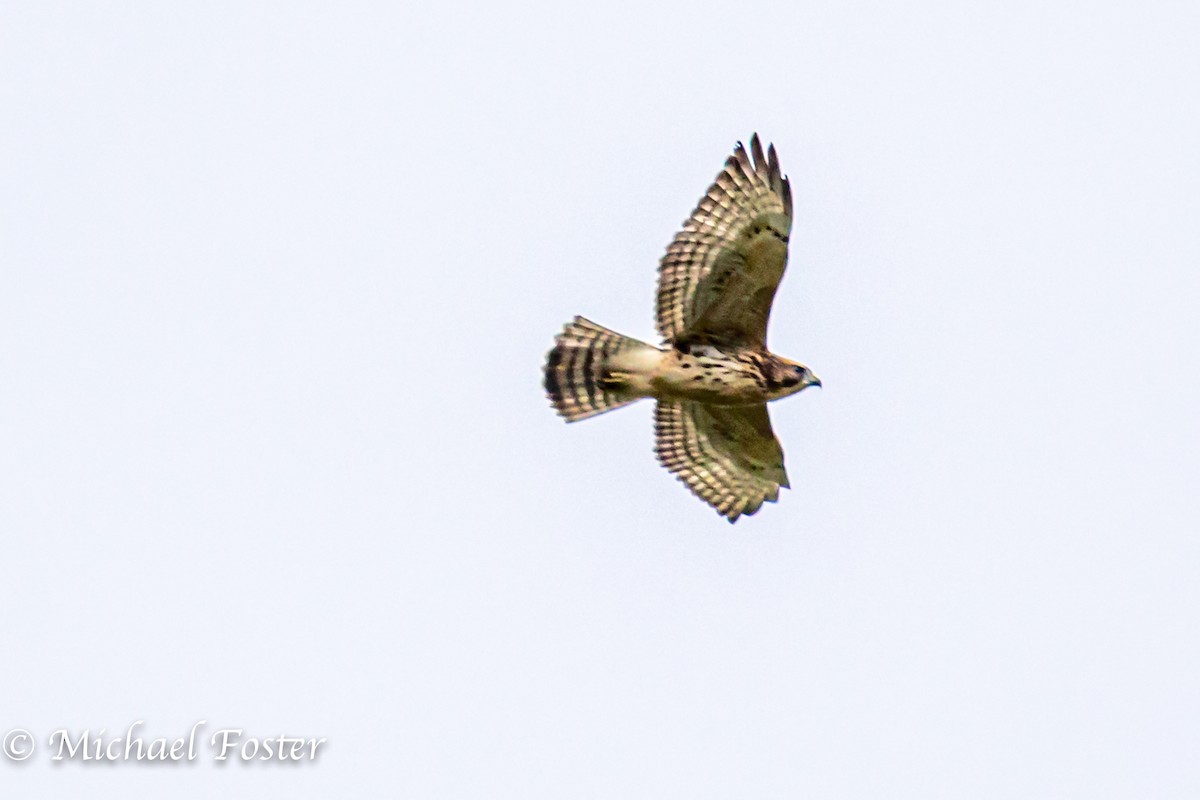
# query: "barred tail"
578, 379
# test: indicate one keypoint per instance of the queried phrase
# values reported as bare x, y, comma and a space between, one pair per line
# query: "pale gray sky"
277, 281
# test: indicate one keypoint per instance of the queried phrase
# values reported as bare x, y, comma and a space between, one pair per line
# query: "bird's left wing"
728, 456
719, 275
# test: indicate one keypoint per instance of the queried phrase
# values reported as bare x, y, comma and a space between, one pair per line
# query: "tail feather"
577, 380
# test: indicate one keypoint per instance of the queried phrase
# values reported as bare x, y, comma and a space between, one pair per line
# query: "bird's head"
787, 377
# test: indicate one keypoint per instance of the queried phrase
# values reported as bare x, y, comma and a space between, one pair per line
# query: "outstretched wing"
728, 456
720, 273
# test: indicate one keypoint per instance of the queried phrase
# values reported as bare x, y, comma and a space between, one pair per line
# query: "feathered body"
714, 374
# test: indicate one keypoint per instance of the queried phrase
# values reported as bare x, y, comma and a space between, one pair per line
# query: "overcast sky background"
276, 283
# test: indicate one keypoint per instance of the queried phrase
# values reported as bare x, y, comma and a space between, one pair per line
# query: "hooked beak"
815, 382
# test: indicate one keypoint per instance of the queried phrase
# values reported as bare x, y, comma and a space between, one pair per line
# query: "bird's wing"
728, 456
720, 273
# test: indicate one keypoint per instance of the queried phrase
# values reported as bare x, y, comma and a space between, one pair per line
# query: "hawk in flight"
713, 375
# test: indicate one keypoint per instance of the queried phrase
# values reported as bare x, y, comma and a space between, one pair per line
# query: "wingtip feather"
760, 161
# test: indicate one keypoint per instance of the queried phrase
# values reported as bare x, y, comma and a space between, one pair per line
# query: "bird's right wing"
728, 456
719, 275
